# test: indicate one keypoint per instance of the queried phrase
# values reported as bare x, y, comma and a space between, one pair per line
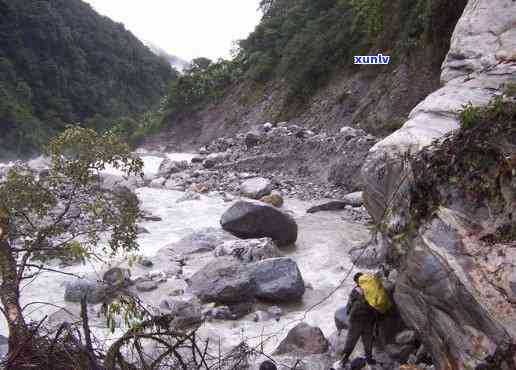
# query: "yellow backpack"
374, 293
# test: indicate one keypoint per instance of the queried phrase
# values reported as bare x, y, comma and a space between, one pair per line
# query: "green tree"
64, 211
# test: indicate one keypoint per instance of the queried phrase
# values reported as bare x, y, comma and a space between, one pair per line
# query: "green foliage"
126, 310
475, 160
368, 16
61, 63
201, 83
469, 116
304, 42
510, 90
67, 206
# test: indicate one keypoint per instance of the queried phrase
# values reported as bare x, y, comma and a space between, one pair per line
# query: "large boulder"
304, 339
251, 219
117, 277
224, 280
250, 250
256, 188
204, 240
93, 291
278, 280
113, 182
185, 313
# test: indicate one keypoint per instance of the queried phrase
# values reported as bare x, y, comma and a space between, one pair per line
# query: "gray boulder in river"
251, 219
94, 292
224, 280
249, 250
278, 280
455, 288
304, 339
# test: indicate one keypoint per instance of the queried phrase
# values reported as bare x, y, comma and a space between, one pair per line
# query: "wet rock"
334, 205
304, 339
189, 196
350, 132
169, 167
277, 280
204, 240
275, 311
232, 312
213, 159
117, 277
145, 262
354, 199
249, 219
252, 139
198, 159
256, 188
146, 286
400, 353
267, 126
341, 319
158, 183
185, 313
112, 182
224, 280
94, 292
370, 255
250, 250
39, 164
261, 316
177, 292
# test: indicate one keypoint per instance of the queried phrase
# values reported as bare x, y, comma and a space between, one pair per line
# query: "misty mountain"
175, 61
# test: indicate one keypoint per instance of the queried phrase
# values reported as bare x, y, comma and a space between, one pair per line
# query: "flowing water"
321, 253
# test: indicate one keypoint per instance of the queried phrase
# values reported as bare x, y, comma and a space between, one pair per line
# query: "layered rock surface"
451, 287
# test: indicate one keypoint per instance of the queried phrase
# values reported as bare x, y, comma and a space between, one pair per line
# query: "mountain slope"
61, 62
298, 66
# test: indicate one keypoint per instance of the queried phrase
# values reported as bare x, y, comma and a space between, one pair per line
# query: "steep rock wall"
453, 287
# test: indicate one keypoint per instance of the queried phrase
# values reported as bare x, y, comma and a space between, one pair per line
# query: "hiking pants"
360, 329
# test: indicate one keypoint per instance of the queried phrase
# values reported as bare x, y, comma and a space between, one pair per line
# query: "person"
362, 318
268, 365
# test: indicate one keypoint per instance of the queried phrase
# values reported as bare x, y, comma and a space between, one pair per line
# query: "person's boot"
370, 360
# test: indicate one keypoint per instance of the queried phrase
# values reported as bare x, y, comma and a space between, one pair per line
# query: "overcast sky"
186, 28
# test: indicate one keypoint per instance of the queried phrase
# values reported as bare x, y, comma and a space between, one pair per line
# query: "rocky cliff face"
451, 240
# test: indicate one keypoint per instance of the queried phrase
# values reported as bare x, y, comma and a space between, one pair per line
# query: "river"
321, 253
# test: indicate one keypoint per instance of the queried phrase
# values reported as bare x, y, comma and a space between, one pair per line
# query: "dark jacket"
358, 308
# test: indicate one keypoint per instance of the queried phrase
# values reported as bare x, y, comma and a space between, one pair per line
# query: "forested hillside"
60, 63
298, 66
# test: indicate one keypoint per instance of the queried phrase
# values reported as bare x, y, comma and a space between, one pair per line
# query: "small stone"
145, 262
146, 286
